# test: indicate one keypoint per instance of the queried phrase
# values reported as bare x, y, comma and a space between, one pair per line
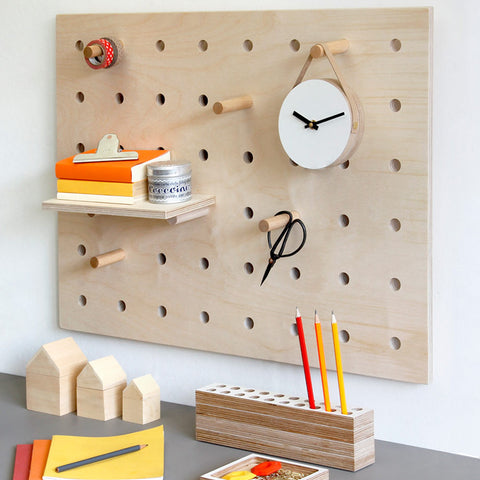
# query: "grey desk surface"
187, 459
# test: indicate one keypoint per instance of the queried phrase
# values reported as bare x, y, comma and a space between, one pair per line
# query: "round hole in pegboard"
395, 44
248, 157
395, 343
80, 97
395, 284
344, 278
204, 263
204, 317
294, 330
395, 105
203, 45
79, 45
295, 273
82, 300
344, 336
248, 45
248, 267
395, 224
203, 100
160, 45
344, 165
295, 45
122, 306
248, 212
162, 311
80, 147
81, 250
395, 165
160, 99
343, 220
203, 155
162, 258
119, 98
248, 323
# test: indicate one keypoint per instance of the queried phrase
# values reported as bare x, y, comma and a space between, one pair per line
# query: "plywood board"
197, 285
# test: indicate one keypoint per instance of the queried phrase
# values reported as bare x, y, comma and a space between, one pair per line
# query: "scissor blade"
267, 271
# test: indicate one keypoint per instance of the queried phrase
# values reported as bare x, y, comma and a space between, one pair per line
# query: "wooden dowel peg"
185, 217
233, 104
93, 50
278, 221
335, 46
108, 258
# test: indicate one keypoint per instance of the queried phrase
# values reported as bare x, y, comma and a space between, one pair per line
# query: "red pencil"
306, 366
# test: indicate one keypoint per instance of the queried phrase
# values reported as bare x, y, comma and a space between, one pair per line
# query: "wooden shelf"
142, 209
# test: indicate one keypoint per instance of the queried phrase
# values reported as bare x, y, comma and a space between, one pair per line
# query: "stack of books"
119, 181
93, 458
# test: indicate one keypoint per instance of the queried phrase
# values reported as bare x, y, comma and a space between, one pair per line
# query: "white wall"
443, 415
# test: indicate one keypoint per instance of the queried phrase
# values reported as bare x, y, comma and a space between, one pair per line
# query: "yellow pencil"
321, 359
338, 361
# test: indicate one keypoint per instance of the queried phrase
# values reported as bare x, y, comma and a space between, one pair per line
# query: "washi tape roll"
110, 53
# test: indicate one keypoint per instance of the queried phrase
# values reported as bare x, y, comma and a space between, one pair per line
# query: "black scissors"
282, 241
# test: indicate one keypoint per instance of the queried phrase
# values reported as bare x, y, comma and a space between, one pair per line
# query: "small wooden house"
141, 400
99, 389
52, 375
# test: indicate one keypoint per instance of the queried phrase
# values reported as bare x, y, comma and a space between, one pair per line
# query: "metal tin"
169, 182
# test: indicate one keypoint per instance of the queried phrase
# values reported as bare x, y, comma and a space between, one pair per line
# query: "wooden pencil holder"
277, 424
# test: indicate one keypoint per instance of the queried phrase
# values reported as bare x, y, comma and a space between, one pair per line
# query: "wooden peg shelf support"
278, 221
108, 258
233, 104
335, 46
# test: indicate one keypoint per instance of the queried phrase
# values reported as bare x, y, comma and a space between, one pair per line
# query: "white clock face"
315, 123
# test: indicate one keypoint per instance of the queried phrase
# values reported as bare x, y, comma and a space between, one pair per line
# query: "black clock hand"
308, 123
326, 119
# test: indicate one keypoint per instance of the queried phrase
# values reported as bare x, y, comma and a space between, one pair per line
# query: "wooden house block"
99, 389
285, 426
51, 377
141, 400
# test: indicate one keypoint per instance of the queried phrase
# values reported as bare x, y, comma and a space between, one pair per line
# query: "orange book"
39, 459
116, 171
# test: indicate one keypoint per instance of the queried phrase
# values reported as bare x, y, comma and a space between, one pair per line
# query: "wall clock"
320, 122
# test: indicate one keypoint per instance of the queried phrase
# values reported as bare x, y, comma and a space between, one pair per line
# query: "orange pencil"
321, 359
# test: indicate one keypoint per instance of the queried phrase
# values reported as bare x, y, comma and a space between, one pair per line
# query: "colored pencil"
98, 458
338, 362
306, 366
323, 367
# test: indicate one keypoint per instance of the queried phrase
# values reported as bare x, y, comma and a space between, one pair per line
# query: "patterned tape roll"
109, 57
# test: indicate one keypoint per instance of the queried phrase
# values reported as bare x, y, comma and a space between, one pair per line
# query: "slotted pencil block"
277, 424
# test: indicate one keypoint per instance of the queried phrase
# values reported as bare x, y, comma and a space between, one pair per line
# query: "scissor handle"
283, 237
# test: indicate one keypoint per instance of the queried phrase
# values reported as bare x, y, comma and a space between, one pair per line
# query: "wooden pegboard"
197, 284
